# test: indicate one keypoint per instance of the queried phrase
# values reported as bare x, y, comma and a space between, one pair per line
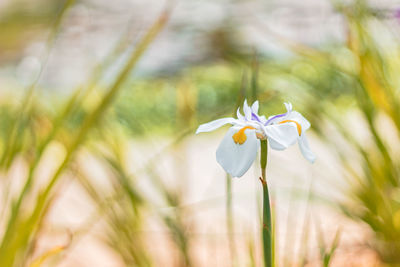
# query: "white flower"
287, 136
238, 149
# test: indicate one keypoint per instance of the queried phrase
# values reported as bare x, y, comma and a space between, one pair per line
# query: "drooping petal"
305, 148
234, 158
239, 115
254, 107
246, 110
285, 134
213, 125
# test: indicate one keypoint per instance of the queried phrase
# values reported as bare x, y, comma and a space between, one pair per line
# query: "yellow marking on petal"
240, 137
297, 124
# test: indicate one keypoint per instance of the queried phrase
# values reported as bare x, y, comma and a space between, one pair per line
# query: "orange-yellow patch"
240, 137
297, 124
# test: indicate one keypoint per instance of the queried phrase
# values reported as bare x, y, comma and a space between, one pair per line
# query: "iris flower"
239, 148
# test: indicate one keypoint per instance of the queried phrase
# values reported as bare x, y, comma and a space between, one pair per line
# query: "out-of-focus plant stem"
229, 211
266, 222
13, 240
16, 129
254, 77
96, 114
229, 215
21, 120
80, 94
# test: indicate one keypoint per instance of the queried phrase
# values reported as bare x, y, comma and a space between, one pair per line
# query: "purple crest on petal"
255, 117
275, 117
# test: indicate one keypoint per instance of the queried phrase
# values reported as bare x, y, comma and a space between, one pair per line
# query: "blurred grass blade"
335, 244
11, 243
49, 254
19, 123
39, 261
254, 77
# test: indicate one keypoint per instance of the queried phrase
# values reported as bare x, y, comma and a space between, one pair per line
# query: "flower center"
297, 124
240, 137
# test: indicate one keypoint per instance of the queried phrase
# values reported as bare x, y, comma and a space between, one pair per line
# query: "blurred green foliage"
329, 85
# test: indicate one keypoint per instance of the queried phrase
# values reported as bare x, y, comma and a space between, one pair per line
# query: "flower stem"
267, 225
229, 219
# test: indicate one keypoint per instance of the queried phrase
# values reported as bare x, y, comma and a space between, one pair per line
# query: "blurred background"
100, 100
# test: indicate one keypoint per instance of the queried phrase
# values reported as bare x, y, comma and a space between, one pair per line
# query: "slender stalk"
254, 77
267, 225
20, 122
229, 218
21, 119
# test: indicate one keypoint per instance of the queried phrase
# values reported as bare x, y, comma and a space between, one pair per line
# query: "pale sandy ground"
191, 166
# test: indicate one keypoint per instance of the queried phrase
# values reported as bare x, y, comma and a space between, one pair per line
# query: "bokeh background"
100, 100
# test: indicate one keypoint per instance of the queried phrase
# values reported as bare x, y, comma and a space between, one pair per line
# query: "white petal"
213, 125
263, 119
305, 148
284, 134
270, 117
296, 116
254, 107
234, 158
275, 145
246, 110
239, 115
288, 106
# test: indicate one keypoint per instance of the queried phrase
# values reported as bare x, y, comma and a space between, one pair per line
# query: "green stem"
229, 218
267, 225
254, 77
